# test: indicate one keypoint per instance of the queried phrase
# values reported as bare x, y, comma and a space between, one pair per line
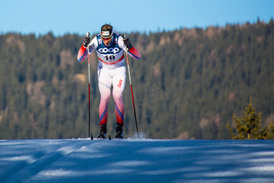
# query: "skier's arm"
83, 51
127, 46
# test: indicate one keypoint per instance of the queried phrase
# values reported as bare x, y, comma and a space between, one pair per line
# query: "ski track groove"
25, 169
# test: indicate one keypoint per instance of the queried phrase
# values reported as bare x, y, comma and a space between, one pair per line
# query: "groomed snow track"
136, 160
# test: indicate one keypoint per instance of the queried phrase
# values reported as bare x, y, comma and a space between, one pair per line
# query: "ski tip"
91, 137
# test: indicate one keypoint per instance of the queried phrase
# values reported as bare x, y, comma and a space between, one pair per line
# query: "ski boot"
103, 132
119, 132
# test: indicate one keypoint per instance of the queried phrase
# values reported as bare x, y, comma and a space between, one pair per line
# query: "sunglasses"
106, 39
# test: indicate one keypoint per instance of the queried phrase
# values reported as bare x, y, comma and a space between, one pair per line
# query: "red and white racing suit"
111, 73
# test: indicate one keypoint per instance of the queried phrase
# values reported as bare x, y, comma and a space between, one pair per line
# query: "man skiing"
111, 71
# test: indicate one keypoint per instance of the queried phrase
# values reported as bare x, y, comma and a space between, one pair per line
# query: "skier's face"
107, 41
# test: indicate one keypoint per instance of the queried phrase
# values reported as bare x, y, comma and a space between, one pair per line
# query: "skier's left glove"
86, 41
127, 42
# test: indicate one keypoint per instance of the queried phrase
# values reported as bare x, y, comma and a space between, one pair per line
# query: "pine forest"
188, 84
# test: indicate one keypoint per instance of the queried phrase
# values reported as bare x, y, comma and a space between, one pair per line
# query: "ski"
102, 138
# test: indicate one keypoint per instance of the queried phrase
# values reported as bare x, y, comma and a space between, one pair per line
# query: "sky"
81, 16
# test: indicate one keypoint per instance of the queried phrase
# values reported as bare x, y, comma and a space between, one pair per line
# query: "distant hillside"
187, 85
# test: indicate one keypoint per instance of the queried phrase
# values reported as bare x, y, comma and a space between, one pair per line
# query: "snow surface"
136, 160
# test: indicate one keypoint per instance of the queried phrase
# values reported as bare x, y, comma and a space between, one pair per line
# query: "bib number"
110, 57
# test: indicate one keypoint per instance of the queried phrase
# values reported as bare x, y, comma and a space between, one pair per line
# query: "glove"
127, 42
86, 41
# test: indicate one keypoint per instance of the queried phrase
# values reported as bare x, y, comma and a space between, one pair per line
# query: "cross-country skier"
111, 70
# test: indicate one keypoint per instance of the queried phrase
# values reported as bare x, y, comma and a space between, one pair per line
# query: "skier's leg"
104, 82
119, 81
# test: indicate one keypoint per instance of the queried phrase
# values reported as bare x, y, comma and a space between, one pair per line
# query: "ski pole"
129, 78
88, 92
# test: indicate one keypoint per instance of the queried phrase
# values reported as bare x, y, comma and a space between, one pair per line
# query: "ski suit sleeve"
83, 52
133, 52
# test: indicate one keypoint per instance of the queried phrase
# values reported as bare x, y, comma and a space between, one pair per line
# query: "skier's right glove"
86, 41
127, 42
